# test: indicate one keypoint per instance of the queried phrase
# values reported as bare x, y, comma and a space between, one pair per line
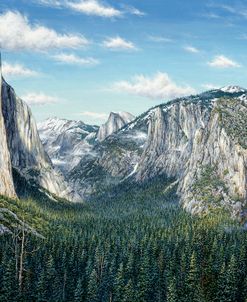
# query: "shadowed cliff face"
24, 145
6, 180
183, 140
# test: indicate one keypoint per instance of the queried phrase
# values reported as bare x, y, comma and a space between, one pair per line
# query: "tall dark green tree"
120, 284
42, 294
193, 281
9, 291
129, 292
79, 291
172, 290
92, 289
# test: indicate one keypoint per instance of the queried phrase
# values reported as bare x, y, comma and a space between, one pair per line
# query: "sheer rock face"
178, 139
6, 180
185, 139
115, 122
24, 145
172, 131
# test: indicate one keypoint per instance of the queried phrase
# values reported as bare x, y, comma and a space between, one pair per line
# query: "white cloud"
17, 33
159, 39
17, 70
191, 49
210, 86
210, 15
95, 115
236, 10
223, 62
55, 3
33, 98
74, 59
133, 10
94, 7
160, 86
118, 43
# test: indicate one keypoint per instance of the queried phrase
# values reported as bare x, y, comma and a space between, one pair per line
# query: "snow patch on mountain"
66, 141
233, 89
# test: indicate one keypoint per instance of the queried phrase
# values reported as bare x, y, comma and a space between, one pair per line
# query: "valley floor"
136, 246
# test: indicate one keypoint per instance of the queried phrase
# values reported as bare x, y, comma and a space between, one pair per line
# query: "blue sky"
81, 59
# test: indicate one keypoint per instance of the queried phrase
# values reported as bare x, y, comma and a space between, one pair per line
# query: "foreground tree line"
131, 248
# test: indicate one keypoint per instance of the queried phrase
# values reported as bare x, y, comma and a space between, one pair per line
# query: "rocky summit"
115, 122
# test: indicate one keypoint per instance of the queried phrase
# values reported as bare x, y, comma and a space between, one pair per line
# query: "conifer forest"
136, 246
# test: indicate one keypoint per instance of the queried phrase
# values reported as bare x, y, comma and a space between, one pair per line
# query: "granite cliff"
22, 152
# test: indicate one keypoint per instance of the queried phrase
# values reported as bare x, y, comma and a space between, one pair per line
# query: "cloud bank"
33, 98
17, 70
191, 49
160, 86
95, 115
17, 33
74, 60
118, 43
94, 8
223, 62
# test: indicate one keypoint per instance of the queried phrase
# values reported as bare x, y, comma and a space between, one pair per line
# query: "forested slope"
139, 245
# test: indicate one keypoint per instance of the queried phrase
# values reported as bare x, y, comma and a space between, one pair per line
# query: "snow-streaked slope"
66, 141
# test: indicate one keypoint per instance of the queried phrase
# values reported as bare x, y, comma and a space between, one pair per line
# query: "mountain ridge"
180, 139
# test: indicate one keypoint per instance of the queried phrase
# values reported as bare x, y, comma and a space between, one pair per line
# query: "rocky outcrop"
27, 155
6, 180
115, 122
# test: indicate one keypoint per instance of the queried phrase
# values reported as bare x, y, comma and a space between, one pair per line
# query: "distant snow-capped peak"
232, 89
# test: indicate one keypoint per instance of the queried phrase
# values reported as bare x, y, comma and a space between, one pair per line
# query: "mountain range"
197, 142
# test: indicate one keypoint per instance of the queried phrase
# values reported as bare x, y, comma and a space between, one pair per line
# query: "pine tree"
92, 290
129, 292
231, 286
172, 291
79, 291
144, 279
52, 280
227, 282
119, 284
10, 288
161, 278
193, 279
64, 275
42, 287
